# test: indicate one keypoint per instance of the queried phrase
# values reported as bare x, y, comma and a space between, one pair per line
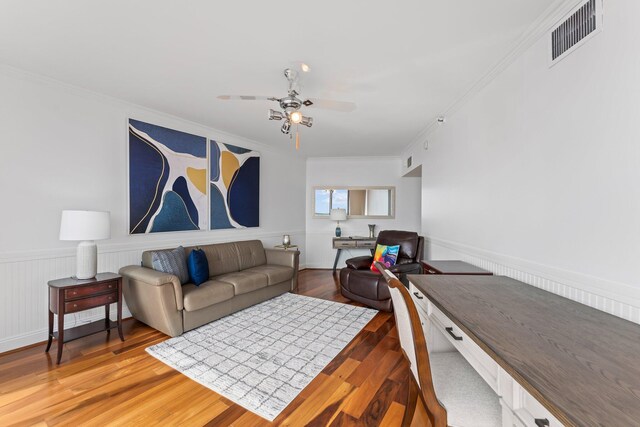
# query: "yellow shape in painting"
229, 166
198, 177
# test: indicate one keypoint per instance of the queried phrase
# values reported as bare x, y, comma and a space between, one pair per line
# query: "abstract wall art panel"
167, 179
235, 186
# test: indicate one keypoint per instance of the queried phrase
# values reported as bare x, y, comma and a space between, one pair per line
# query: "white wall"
366, 171
538, 176
66, 148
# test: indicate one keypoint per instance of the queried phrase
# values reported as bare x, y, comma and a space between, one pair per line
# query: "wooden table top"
71, 281
582, 364
454, 267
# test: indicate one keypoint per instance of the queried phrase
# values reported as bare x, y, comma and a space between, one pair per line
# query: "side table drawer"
90, 290
84, 304
344, 244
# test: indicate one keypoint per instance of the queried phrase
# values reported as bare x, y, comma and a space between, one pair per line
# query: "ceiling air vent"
409, 161
582, 24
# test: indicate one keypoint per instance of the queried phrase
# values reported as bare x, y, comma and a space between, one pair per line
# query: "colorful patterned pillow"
386, 255
171, 261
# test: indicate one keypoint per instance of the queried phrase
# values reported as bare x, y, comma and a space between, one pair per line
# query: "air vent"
583, 23
409, 161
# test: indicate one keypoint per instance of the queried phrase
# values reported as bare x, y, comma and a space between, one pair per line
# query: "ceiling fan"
291, 104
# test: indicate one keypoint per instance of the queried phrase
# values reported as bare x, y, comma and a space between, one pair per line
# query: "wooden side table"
73, 295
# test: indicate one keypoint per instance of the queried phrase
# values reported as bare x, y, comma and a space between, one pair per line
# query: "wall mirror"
360, 202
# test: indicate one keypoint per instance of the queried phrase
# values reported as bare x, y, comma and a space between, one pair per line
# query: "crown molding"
541, 26
133, 109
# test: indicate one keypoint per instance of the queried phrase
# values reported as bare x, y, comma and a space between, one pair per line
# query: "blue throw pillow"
198, 267
171, 261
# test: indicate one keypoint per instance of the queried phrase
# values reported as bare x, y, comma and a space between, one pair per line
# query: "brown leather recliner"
359, 283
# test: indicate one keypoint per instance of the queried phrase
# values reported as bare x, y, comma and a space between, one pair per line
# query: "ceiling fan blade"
247, 98
328, 104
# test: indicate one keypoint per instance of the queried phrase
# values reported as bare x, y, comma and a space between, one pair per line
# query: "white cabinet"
519, 408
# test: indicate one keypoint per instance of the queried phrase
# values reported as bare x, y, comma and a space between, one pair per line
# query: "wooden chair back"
414, 347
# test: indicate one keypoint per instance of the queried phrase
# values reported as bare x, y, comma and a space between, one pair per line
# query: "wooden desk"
340, 243
554, 358
452, 267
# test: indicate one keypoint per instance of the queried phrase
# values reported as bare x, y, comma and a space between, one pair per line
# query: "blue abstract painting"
234, 186
167, 179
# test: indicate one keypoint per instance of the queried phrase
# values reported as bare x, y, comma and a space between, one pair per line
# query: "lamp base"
87, 260
338, 231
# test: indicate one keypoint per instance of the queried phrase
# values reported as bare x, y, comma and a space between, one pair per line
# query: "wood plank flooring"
102, 381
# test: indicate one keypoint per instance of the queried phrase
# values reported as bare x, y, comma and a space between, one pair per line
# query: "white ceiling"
402, 62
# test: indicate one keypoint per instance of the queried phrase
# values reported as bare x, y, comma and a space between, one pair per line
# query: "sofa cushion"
171, 261
275, 273
221, 257
251, 254
208, 293
244, 281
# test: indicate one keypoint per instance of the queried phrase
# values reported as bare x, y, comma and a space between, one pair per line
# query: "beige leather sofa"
241, 274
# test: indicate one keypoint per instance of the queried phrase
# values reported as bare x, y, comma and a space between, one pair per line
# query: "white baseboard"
34, 337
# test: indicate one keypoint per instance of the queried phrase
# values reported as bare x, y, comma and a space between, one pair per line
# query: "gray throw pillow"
171, 261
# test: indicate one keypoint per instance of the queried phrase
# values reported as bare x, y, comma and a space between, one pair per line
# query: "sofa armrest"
360, 262
281, 257
155, 278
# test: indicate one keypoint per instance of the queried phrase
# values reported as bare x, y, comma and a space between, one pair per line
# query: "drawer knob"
455, 337
73, 293
75, 305
541, 422
418, 295
432, 272
110, 286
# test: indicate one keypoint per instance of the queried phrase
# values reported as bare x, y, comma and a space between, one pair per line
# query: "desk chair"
444, 389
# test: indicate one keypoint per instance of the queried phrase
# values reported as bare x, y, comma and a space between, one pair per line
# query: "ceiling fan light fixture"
286, 127
275, 115
305, 67
295, 117
307, 121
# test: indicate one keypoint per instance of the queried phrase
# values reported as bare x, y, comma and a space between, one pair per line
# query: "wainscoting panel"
614, 298
24, 277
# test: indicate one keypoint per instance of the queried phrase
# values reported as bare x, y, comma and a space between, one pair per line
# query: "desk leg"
50, 331
60, 325
335, 263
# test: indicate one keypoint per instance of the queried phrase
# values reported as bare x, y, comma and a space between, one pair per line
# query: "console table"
72, 295
552, 361
452, 267
340, 243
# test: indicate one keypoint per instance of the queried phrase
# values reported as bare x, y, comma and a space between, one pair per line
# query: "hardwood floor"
102, 381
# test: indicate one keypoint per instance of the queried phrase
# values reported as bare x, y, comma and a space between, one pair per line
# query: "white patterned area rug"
263, 356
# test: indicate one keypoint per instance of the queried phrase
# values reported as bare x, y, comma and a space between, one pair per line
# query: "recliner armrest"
359, 262
413, 267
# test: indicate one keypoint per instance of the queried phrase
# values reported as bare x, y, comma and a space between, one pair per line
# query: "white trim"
615, 291
16, 342
146, 244
538, 29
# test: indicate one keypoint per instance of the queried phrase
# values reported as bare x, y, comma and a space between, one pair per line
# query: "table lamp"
338, 215
85, 226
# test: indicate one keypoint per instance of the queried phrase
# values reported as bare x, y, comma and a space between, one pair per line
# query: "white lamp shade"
85, 225
338, 214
